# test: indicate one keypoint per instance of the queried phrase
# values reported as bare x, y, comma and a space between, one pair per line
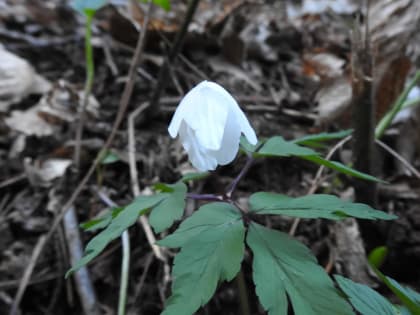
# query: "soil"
276, 84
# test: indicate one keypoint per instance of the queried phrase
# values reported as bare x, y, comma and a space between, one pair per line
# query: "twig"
401, 159
136, 187
125, 264
124, 101
363, 112
13, 180
84, 285
175, 49
140, 283
27, 274
125, 268
316, 181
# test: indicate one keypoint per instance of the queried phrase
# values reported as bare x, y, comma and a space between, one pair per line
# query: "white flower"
210, 122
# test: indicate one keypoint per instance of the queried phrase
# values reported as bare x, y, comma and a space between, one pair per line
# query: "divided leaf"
313, 206
317, 139
407, 296
122, 221
339, 167
364, 299
277, 146
194, 176
170, 209
282, 265
212, 249
102, 221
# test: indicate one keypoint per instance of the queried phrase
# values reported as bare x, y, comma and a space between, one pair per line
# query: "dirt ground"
289, 67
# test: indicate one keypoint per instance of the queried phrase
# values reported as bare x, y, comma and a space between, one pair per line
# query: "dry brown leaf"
58, 106
17, 80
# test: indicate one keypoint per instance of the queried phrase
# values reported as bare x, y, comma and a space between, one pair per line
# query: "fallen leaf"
18, 80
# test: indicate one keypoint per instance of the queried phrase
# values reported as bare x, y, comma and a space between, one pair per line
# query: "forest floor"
289, 68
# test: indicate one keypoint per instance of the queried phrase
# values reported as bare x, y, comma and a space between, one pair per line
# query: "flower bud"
209, 123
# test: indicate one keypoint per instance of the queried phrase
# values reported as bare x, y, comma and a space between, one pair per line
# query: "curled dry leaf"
58, 106
333, 99
17, 80
320, 6
42, 173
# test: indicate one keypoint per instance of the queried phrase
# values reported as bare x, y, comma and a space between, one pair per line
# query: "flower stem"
236, 181
90, 71
205, 197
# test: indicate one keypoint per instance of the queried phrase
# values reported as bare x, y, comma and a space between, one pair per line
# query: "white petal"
246, 128
230, 142
244, 124
199, 157
208, 117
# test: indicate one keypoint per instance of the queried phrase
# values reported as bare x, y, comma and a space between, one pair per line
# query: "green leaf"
109, 158
164, 4
88, 7
248, 147
124, 219
408, 297
170, 209
317, 139
277, 146
402, 310
337, 166
101, 222
283, 265
364, 299
377, 256
212, 242
194, 176
313, 206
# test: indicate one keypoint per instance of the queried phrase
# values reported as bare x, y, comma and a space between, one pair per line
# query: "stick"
124, 101
173, 53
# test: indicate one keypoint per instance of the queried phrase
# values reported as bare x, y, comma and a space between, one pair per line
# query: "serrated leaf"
282, 265
337, 166
124, 219
364, 299
88, 7
277, 146
313, 206
170, 209
317, 139
212, 242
